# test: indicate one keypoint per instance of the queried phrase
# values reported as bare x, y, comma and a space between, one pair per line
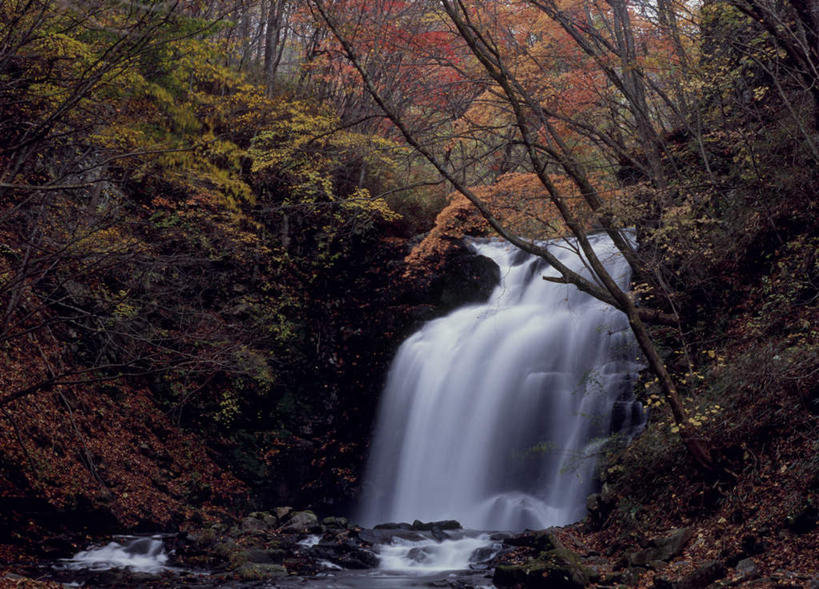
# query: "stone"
540, 540
418, 554
302, 522
449, 524
282, 512
803, 520
387, 535
596, 511
626, 577
251, 525
270, 520
259, 572
368, 536
558, 568
673, 544
393, 526
483, 555
460, 277
663, 549
229, 551
593, 502
336, 523
747, 569
703, 576
259, 556
202, 539
540, 574
348, 556
468, 278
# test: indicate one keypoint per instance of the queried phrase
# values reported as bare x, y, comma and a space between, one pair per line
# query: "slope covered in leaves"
185, 266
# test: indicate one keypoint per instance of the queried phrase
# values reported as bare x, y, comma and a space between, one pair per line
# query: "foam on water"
430, 555
138, 554
310, 541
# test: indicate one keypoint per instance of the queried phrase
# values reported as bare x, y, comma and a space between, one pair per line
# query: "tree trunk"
273, 40
699, 452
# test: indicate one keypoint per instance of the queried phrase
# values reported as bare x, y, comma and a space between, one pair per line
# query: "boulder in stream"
301, 522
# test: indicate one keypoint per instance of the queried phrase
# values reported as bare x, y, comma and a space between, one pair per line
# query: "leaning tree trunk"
695, 446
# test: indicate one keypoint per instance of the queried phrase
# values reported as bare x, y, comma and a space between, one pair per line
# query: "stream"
406, 559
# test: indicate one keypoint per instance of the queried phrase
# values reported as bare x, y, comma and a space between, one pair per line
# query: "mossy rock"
302, 522
540, 540
259, 572
335, 523
558, 568
228, 551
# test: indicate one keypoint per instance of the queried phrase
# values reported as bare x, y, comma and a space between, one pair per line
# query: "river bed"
406, 558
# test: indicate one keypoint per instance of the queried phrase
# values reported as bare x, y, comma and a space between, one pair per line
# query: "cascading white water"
138, 554
492, 414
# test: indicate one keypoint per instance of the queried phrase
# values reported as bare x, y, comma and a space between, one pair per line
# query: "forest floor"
757, 530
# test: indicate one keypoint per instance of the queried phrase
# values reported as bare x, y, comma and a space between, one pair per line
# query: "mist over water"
493, 414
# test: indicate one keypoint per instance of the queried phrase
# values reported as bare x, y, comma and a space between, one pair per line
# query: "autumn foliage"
171, 234
201, 255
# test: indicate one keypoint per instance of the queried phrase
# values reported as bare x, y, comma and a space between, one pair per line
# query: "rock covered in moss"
335, 523
260, 571
555, 567
301, 522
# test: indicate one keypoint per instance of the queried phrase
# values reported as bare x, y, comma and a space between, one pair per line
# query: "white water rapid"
135, 553
492, 415
430, 555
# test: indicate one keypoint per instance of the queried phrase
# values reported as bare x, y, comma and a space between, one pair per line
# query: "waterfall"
493, 414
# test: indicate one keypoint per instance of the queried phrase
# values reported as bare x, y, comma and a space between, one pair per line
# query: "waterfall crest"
492, 414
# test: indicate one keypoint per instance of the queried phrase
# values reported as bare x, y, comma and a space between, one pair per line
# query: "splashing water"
430, 555
138, 554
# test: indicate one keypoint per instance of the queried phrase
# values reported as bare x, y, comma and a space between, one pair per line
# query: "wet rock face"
467, 278
346, 555
459, 277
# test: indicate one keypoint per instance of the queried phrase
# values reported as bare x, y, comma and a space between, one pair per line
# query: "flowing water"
493, 414
139, 554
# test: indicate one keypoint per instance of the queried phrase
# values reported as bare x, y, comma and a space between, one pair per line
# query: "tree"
86, 94
793, 27
550, 140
